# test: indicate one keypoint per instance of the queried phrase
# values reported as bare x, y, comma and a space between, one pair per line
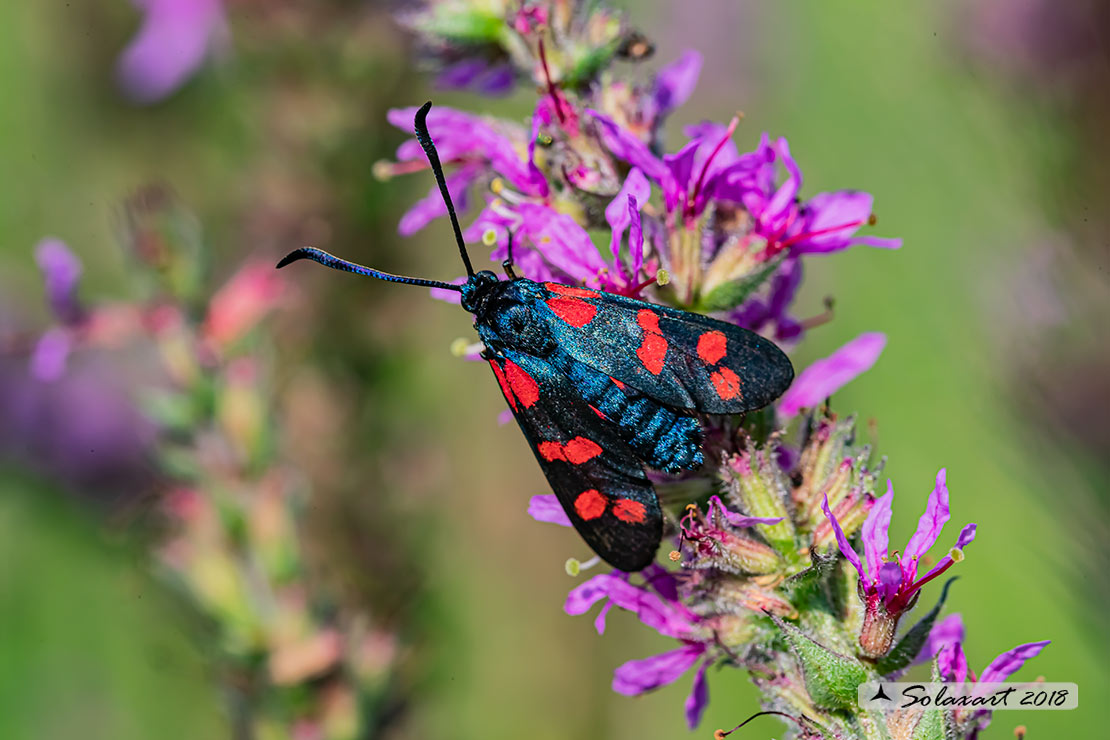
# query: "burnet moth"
602, 385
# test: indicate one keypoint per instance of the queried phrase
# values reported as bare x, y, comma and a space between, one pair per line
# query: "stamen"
461, 348
573, 566
551, 89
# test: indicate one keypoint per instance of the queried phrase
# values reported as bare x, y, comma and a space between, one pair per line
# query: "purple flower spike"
175, 39
821, 379
676, 82
624, 145
546, 508
60, 272
431, 206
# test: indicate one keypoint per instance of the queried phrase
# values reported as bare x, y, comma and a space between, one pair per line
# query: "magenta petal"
842, 541
931, 522
698, 699
599, 620
174, 40
585, 595
624, 145
675, 82
637, 187
967, 536
1010, 661
889, 580
876, 541
952, 663
546, 508
562, 241
431, 206
818, 381
637, 676
668, 619
51, 355
739, 520
945, 632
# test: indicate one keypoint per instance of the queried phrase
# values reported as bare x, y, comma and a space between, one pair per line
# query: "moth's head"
476, 287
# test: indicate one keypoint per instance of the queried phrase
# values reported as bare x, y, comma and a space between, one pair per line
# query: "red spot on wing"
617, 382
573, 311
550, 451
522, 384
652, 352
568, 290
596, 411
501, 381
712, 346
648, 320
589, 504
629, 511
653, 349
726, 383
580, 450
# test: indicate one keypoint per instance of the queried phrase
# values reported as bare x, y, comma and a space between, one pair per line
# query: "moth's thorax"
505, 316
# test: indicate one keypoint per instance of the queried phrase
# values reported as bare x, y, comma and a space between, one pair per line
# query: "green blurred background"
981, 167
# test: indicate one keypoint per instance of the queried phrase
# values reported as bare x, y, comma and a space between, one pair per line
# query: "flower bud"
758, 487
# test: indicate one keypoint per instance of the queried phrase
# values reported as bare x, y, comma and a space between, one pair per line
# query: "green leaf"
730, 295
910, 644
832, 679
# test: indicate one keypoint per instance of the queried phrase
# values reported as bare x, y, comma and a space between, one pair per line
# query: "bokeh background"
979, 125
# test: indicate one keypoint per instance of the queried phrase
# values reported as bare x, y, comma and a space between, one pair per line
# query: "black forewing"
581, 453
750, 373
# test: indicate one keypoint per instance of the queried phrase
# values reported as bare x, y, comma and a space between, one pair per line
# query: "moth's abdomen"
663, 439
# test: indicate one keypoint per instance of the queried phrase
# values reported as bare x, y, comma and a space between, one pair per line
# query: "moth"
602, 385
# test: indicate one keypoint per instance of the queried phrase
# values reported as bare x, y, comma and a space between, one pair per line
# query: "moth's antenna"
421, 126
330, 260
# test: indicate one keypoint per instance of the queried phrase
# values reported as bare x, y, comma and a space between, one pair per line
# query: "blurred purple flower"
60, 272
821, 379
655, 604
675, 82
51, 355
478, 76
175, 39
892, 578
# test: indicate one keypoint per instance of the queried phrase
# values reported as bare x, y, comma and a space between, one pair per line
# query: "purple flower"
431, 206
656, 604
952, 666
60, 272
175, 39
51, 355
825, 223
675, 82
477, 75
945, 632
821, 379
892, 579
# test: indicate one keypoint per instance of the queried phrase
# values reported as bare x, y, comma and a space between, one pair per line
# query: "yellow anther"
382, 170
489, 237
662, 277
573, 567
674, 555
497, 185
956, 554
459, 347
